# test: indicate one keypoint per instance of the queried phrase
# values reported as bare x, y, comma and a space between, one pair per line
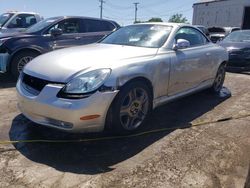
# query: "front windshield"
147, 35
238, 36
41, 25
4, 18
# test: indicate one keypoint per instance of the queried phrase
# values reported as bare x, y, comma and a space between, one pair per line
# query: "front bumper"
4, 58
237, 69
238, 63
64, 114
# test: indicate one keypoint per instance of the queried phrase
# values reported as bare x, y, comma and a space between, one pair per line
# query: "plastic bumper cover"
4, 57
64, 114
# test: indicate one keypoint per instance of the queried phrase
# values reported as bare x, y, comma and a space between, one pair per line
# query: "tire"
20, 60
130, 108
219, 79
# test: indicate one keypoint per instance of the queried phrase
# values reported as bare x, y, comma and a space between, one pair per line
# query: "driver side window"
192, 35
67, 26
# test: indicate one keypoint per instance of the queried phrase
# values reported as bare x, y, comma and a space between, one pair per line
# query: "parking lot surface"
210, 155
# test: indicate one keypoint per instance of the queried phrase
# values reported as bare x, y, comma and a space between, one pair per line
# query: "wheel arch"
223, 63
30, 49
141, 79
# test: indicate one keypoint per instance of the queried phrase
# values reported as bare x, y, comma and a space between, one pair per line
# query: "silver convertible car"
115, 83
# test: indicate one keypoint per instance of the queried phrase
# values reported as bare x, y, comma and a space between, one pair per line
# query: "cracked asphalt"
212, 155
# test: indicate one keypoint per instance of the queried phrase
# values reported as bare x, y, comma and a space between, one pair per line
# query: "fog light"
59, 123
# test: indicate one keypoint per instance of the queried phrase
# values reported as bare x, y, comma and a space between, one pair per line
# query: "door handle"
77, 38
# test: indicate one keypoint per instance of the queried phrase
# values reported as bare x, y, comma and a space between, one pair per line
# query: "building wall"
227, 13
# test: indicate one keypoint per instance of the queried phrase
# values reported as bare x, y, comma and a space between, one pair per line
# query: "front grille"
214, 39
240, 54
34, 84
236, 55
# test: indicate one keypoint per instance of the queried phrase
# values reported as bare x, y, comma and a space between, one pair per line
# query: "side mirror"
56, 32
181, 44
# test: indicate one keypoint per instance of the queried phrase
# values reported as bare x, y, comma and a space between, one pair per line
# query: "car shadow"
239, 72
246, 73
7, 81
247, 183
99, 156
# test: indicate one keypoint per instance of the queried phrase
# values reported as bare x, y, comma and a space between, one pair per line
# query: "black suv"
18, 49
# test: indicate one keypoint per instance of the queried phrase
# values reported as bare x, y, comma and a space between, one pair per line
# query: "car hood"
15, 35
235, 45
61, 65
217, 34
8, 35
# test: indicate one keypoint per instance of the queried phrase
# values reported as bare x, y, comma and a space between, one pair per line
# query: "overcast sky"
121, 11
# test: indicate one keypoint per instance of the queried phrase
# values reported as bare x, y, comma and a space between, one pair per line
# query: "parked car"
203, 29
17, 21
16, 50
219, 33
238, 46
115, 83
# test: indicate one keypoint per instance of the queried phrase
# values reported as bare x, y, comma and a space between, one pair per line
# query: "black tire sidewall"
114, 124
16, 59
213, 89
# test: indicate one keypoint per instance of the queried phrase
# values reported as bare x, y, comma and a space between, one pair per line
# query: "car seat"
32, 21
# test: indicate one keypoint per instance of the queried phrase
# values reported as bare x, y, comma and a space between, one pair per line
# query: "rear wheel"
20, 60
219, 79
130, 108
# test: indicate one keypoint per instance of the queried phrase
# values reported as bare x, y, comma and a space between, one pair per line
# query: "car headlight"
86, 83
230, 49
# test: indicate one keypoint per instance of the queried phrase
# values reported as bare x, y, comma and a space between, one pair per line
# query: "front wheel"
20, 60
219, 79
130, 108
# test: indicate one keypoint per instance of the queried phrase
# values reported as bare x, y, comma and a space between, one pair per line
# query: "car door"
70, 36
94, 30
21, 21
190, 66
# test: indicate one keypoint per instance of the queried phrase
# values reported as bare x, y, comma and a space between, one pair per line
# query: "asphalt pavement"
215, 154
